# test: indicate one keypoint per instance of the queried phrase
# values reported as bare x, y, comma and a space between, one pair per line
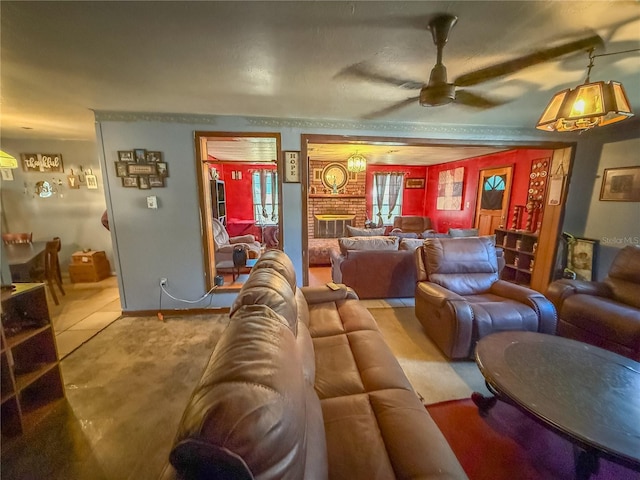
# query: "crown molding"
477, 132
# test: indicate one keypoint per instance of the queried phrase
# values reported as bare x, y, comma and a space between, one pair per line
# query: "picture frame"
410, 183
581, 258
140, 155
291, 166
153, 156
143, 182
130, 182
125, 155
156, 181
122, 169
162, 169
621, 184
141, 169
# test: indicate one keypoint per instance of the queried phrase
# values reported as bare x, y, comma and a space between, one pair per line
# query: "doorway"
492, 203
239, 185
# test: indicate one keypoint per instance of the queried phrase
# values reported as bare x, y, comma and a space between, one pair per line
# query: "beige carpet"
434, 377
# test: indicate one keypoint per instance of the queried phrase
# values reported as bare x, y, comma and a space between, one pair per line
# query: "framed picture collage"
141, 168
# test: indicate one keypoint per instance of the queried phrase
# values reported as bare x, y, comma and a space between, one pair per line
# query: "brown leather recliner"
411, 224
605, 314
459, 298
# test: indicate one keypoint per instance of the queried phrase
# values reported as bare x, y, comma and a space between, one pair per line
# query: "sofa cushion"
250, 404
463, 232
266, 286
364, 232
587, 311
368, 243
465, 265
401, 234
624, 276
410, 243
281, 263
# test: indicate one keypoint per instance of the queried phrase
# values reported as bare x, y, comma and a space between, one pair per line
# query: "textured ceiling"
61, 60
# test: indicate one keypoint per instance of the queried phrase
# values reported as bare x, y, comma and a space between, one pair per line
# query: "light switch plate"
152, 202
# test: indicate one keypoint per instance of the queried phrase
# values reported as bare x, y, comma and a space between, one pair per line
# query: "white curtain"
395, 186
381, 184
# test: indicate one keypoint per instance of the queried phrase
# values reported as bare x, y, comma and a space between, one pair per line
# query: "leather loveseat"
376, 266
301, 385
607, 313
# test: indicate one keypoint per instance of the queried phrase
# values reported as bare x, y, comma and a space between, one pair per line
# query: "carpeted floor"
506, 444
434, 377
126, 391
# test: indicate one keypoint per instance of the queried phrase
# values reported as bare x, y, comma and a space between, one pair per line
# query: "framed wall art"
414, 183
450, 183
621, 184
581, 258
140, 168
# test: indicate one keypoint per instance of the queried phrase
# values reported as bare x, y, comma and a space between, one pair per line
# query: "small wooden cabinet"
91, 266
31, 377
519, 254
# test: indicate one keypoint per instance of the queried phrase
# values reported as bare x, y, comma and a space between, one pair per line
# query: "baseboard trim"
175, 313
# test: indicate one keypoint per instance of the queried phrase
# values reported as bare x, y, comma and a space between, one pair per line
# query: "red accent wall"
413, 199
519, 159
239, 193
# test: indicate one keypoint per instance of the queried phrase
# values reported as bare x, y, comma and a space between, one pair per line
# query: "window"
493, 192
265, 204
392, 183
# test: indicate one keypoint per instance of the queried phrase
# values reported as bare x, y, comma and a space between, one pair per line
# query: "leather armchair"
460, 299
411, 224
224, 244
607, 313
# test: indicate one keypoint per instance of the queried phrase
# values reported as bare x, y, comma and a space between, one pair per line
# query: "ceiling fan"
438, 91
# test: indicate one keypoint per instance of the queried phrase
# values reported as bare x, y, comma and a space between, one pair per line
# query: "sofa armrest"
336, 261
547, 316
559, 290
436, 295
324, 294
242, 239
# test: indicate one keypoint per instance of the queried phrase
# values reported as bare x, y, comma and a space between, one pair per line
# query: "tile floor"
85, 310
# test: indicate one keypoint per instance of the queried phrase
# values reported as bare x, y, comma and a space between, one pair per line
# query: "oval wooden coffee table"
589, 395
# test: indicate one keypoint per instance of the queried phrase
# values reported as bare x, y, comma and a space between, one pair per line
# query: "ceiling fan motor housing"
436, 95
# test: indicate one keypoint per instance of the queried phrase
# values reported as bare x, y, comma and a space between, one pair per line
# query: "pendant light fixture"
356, 163
592, 104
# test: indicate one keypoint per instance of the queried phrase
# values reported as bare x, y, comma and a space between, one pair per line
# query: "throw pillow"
364, 232
368, 243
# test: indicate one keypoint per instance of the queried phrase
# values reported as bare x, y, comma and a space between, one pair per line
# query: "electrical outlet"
163, 282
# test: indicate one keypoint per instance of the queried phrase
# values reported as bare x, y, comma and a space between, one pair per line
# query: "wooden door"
492, 204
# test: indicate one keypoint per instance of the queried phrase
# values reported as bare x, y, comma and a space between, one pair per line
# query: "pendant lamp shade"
586, 106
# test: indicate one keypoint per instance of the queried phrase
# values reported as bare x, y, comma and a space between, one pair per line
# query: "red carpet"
508, 445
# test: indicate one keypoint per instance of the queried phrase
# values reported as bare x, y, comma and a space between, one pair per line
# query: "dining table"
22, 258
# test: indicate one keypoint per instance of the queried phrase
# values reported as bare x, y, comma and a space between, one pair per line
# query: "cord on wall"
163, 289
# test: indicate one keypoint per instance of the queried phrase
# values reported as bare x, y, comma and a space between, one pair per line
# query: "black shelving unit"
519, 253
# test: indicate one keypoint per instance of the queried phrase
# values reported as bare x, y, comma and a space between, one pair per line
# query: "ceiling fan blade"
360, 71
391, 108
541, 56
470, 99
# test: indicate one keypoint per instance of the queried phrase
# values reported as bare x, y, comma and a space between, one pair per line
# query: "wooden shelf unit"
519, 254
30, 369
219, 201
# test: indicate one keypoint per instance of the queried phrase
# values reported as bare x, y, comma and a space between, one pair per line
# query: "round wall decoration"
334, 176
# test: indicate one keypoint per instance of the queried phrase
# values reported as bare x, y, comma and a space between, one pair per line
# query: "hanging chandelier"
356, 163
592, 104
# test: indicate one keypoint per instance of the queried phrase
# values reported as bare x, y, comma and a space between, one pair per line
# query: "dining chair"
9, 238
50, 272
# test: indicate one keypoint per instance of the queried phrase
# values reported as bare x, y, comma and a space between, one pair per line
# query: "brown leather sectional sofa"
302, 386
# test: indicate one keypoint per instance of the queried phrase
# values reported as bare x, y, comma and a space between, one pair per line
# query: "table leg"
587, 462
483, 402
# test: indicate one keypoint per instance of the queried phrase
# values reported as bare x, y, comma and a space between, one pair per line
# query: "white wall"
71, 214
